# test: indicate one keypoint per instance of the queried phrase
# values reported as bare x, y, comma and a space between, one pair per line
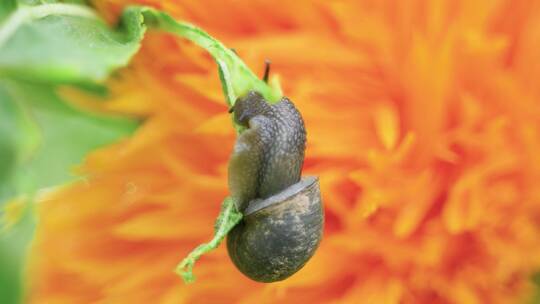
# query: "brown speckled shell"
280, 234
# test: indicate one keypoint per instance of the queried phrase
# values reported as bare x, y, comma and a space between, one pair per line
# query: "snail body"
283, 214
268, 156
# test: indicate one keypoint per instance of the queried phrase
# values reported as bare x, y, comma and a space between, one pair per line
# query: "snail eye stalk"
266, 70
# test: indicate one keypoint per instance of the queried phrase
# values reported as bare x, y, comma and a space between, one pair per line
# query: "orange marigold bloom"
423, 124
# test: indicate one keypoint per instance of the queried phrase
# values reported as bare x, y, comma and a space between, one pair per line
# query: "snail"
282, 213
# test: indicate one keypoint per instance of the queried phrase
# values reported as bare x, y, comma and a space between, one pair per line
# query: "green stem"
236, 78
228, 218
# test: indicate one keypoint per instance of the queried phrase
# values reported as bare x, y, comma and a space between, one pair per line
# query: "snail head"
249, 106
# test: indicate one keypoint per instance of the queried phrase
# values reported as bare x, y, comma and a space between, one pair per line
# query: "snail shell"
279, 234
283, 214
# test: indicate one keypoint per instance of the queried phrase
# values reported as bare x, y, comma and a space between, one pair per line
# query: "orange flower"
423, 123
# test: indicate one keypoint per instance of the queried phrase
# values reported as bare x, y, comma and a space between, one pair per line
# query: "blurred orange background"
423, 122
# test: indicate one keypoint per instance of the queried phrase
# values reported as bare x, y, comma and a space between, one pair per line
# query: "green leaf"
13, 247
41, 136
76, 46
6, 7
47, 136
65, 43
41, 139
